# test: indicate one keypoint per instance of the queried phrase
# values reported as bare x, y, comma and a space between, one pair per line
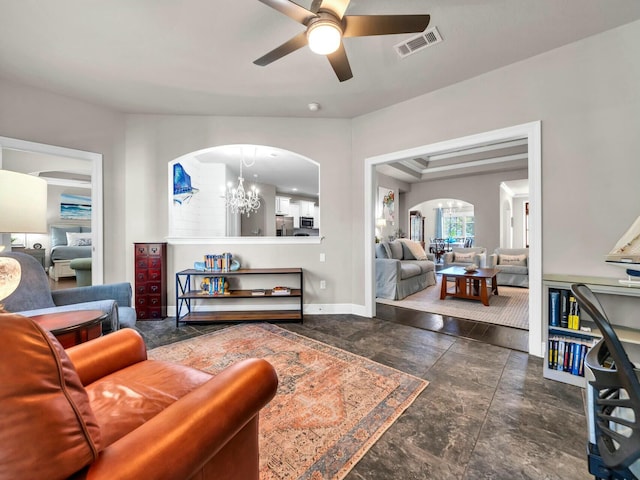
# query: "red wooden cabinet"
150, 280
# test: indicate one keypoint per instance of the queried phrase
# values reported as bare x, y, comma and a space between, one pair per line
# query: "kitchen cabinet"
282, 205
306, 208
294, 211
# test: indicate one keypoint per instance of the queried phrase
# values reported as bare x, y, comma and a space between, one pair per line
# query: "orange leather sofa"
103, 410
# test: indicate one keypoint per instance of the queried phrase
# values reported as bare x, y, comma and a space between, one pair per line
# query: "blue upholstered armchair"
24, 289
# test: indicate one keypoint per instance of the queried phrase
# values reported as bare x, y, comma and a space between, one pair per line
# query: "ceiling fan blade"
291, 10
365, 25
292, 45
340, 63
338, 7
315, 6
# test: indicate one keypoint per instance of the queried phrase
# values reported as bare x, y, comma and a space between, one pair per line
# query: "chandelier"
239, 200
451, 209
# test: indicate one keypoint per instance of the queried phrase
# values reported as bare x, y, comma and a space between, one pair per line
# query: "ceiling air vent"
427, 38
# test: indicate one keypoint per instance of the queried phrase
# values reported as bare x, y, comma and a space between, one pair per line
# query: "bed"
68, 242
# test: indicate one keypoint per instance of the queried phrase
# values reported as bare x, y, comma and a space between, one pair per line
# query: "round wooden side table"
73, 327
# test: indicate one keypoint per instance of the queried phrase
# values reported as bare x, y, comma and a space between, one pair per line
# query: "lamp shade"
23, 203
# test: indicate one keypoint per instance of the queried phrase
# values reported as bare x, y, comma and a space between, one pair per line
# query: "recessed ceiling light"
294, 189
314, 106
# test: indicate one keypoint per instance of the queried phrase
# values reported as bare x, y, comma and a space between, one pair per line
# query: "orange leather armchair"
103, 410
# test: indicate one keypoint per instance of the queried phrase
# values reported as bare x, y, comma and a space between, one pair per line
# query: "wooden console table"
188, 293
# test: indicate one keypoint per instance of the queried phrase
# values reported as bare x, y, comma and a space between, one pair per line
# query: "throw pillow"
396, 250
413, 250
464, 257
387, 249
381, 252
78, 239
516, 260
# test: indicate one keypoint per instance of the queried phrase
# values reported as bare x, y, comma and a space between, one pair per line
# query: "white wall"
586, 95
153, 141
482, 191
39, 116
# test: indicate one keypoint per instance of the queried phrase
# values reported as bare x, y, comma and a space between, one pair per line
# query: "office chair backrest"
617, 399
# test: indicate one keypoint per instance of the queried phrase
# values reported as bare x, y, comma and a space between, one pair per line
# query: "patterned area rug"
510, 308
331, 405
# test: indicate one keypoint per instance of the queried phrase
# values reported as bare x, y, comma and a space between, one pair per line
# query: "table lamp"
23, 203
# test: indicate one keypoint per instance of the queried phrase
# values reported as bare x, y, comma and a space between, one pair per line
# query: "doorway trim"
97, 265
530, 131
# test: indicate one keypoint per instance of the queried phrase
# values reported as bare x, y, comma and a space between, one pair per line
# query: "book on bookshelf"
554, 307
256, 292
567, 354
564, 308
281, 291
574, 314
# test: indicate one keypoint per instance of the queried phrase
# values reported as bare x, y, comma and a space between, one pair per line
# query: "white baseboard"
311, 309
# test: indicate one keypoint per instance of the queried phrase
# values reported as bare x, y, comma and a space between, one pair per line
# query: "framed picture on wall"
75, 207
386, 201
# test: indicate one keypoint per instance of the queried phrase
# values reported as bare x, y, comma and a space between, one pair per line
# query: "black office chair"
613, 397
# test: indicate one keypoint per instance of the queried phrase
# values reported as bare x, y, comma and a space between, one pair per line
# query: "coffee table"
73, 327
470, 285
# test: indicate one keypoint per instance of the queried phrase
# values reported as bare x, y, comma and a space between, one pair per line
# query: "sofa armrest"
104, 355
480, 260
447, 258
431, 257
120, 292
388, 269
492, 260
193, 429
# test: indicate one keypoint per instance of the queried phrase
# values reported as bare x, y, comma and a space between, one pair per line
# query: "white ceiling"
195, 56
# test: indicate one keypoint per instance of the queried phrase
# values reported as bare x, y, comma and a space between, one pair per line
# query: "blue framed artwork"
75, 207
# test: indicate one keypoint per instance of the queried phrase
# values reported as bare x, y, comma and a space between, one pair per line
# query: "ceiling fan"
327, 25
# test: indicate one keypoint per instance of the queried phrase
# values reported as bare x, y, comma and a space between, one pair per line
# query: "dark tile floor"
487, 413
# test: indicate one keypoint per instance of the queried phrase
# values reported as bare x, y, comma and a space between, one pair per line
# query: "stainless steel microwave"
306, 222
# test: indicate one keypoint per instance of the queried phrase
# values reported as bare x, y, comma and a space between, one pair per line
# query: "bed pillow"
78, 239
59, 234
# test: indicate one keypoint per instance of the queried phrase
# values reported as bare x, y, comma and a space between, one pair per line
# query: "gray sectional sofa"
399, 273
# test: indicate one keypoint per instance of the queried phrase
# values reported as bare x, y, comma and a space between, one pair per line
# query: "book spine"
554, 308
564, 309
574, 319
583, 349
561, 346
575, 369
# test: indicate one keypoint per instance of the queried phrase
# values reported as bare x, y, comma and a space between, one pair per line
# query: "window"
458, 226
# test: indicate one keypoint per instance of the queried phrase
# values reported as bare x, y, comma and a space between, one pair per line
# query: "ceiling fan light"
324, 37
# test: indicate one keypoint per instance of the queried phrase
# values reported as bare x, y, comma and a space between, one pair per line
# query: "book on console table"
281, 291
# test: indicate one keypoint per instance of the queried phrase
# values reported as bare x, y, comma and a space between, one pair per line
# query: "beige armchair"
461, 257
512, 265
